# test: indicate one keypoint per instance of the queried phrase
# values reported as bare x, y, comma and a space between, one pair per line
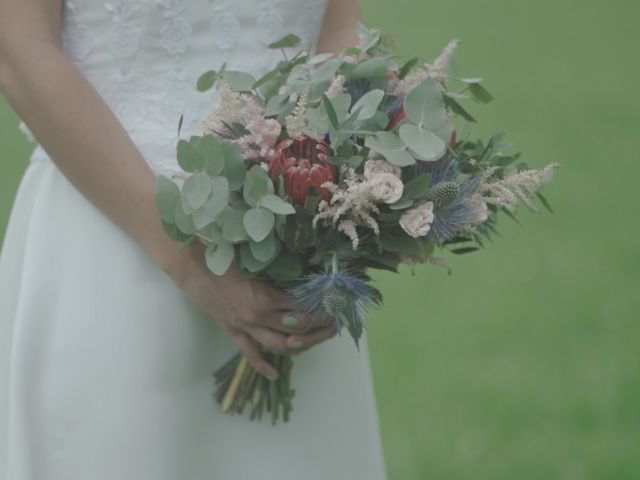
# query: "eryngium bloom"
304, 163
337, 295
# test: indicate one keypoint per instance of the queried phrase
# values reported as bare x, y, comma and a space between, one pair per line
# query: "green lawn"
525, 363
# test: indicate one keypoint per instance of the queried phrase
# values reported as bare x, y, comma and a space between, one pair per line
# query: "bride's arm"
339, 26
91, 148
73, 124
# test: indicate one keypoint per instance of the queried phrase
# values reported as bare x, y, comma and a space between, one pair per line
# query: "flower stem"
235, 383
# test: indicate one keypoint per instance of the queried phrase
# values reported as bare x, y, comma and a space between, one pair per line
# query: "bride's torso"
144, 56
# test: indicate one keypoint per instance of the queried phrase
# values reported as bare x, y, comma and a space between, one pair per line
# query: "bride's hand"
248, 310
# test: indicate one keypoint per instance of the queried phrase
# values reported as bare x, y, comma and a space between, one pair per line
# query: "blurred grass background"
525, 363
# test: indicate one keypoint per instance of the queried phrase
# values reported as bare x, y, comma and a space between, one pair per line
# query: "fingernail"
289, 321
271, 377
296, 344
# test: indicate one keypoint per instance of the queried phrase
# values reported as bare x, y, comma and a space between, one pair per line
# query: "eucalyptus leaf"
183, 221
210, 148
219, 196
320, 58
202, 219
189, 158
259, 222
326, 71
368, 104
425, 105
277, 205
196, 190
426, 145
239, 81
266, 249
234, 166
390, 147
276, 105
167, 197
251, 263
219, 257
375, 67
233, 227
256, 186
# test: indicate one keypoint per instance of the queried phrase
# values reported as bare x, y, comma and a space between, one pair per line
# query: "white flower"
336, 87
386, 187
417, 221
376, 167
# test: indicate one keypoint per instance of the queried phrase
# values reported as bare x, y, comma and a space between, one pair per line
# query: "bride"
109, 334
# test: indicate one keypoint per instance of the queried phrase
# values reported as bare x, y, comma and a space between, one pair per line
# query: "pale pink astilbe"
436, 71
296, 121
516, 188
232, 107
352, 202
261, 139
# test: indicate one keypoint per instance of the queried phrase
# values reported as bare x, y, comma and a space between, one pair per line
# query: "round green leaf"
266, 249
368, 104
184, 221
234, 167
219, 196
167, 197
201, 218
233, 228
277, 205
258, 223
211, 150
219, 257
426, 145
390, 147
239, 81
425, 105
247, 259
256, 186
196, 190
189, 158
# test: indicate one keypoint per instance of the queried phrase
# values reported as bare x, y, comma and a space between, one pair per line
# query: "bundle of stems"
238, 384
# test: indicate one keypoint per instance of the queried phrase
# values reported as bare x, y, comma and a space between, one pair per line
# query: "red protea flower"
304, 163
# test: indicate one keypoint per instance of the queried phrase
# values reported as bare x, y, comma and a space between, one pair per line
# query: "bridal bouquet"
328, 166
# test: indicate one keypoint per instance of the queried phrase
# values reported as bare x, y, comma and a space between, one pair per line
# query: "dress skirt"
106, 367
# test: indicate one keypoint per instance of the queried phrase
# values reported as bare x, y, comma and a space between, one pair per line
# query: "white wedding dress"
106, 368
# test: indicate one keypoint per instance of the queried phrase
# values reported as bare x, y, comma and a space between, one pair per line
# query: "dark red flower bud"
304, 163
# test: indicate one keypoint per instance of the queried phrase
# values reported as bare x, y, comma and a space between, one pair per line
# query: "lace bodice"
144, 56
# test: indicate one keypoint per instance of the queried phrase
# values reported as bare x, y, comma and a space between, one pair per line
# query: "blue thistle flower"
337, 294
455, 214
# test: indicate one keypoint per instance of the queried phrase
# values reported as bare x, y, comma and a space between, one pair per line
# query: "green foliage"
287, 41
391, 148
259, 222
